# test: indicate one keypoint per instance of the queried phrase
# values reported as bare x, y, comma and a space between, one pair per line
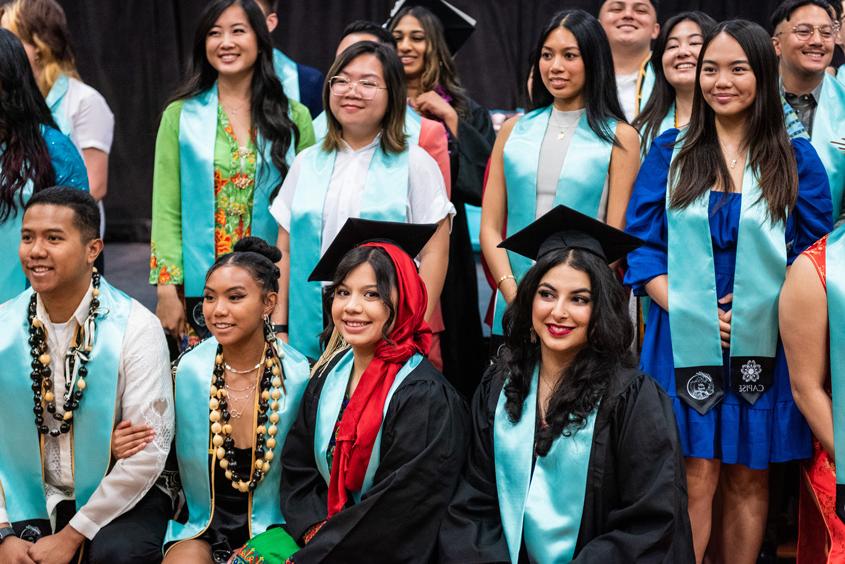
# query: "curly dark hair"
584, 382
256, 256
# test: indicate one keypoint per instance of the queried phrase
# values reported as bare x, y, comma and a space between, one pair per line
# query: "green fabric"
271, 547
234, 174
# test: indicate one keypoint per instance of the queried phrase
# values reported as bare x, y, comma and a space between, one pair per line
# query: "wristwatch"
6, 532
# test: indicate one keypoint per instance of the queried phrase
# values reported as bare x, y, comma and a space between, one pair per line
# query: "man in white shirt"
631, 26
87, 356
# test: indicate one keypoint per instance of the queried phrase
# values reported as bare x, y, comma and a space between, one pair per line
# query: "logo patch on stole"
700, 386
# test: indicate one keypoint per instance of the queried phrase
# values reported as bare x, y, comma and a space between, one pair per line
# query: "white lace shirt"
144, 396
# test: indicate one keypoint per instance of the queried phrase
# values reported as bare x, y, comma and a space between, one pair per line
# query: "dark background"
133, 52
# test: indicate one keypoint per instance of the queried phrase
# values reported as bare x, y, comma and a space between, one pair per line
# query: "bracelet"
280, 328
505, 277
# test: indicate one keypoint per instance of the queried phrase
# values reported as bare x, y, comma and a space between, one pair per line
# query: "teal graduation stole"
580, 186
830, 115
794, 127
288, 74
12, 279
835, 283
328, 409
196, 456
21, 469
693, 307
840, 74
197, 137
55, 99
544, 506
645, 86
413, 124
385, 198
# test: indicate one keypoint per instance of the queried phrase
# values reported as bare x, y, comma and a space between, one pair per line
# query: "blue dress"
67, 164
736, 432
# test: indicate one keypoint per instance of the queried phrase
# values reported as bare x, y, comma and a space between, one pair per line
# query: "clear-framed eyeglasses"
806, 31
367, 89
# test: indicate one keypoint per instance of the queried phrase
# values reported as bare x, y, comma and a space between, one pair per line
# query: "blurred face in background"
629, 23
411, 45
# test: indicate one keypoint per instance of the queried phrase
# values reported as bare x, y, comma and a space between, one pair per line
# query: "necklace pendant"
561, 135
733, 164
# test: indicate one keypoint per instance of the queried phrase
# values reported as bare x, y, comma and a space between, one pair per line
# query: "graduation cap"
565, 228
410, 237
457, 25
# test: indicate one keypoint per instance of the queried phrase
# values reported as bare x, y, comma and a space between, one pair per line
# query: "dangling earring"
269, 335
532, 336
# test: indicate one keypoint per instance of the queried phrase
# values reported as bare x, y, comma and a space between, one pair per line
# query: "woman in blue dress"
34, 155
725, 207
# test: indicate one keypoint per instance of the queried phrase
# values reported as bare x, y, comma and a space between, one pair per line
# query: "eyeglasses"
367, 89
806, 31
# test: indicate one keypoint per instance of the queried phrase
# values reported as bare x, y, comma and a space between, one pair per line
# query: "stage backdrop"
134, 51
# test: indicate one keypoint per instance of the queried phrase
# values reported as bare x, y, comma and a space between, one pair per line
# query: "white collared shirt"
144, 396
427, 199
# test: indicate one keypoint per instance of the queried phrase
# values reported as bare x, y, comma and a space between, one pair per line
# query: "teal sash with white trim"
827, 127
413, 125
328, 409
385, 198
835, 283
580, 186
543, 507
55, 101
21, 470
197, 138
693, 307
288, 74
196, 456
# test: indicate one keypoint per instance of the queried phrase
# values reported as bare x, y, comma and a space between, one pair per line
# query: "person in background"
804, 38
675, 62
364, 167
421, 28
631, 26
301, 82
377, 448
223, 148
573, 147
34, 155
724, 207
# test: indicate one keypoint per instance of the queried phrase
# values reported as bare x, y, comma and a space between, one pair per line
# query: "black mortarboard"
565, 228
410, 237
457, 25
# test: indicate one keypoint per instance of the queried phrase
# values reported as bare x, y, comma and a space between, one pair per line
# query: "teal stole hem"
328, 409
55, 101
835, 283
646, 86
413, 125
543, 506
385, 198
197, 137
830, 114
21, 469
288, 74
580, 186
693, 307
197, 457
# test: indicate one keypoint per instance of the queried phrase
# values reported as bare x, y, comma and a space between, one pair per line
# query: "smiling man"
804, 37
631, 26
87, 356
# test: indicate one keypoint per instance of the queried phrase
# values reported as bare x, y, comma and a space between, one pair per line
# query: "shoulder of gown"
812, 215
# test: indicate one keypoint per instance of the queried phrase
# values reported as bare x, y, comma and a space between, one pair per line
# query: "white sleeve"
147, 399
93, 122
281, 206
427, 199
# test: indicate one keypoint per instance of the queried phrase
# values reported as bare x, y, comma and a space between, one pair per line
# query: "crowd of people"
314, 385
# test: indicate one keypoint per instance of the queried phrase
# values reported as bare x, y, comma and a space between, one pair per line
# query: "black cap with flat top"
457, 25
564, 228
410, 237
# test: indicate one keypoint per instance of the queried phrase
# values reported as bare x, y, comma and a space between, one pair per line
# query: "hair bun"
259, 246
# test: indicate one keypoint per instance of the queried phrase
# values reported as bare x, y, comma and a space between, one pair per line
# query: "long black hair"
700, 164
585, 381
269, 103
663, 95
600, 98
22, 114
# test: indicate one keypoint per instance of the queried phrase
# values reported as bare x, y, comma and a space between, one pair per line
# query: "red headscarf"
362, 418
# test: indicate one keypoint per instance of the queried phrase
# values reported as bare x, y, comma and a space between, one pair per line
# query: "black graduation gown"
425, 433
464, 354
635, 508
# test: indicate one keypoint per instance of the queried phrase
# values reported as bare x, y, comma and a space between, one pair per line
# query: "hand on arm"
127, 439
14, 550
58, 548
170, 309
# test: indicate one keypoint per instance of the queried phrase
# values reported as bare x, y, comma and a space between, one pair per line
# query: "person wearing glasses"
364, 167
804, 38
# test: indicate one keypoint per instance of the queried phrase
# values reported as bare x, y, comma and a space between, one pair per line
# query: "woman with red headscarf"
371, 462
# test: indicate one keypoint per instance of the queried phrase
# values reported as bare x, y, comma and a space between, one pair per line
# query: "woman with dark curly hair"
575, 453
